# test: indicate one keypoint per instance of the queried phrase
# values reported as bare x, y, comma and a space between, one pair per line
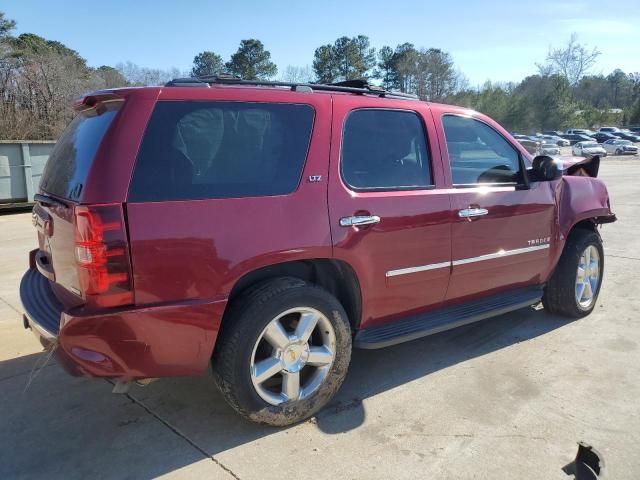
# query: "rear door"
389, 215
502, 232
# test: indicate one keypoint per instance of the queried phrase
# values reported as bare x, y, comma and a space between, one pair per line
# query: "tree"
111, 77
324, 65
347, 59
6, 25
295, 74
572, 61
252, 61
436, 77
385, 68
137, 75
207, 63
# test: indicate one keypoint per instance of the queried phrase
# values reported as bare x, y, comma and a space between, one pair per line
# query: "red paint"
186, 256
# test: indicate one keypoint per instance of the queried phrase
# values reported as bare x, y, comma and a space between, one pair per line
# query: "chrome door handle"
472, 212
359, 220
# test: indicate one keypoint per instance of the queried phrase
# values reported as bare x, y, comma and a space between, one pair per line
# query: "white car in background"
588, 149
620, 147
550, 149
560, 142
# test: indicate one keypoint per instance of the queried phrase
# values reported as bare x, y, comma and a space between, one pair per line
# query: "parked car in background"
532, 146
549, 149
627, 136
588, 149
559, 141
620, 147
602, 137
608, 129
580, 131
554, 133
635, 130
575, 138
208, 224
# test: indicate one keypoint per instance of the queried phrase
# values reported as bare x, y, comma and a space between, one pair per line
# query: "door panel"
504, 238
508, 246
403, 261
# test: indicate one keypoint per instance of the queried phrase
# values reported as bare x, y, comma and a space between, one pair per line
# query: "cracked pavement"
504, 398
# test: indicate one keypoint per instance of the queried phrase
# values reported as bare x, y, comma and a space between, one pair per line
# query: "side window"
479, 154
198, 150
385, 150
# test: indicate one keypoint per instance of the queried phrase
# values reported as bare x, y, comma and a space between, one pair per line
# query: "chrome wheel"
588, 277
293, 355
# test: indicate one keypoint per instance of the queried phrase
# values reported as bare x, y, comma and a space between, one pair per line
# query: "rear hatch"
82, 248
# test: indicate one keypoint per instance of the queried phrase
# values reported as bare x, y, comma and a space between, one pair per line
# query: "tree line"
39, 79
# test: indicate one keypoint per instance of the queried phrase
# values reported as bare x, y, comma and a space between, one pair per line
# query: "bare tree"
572, 61
295, 74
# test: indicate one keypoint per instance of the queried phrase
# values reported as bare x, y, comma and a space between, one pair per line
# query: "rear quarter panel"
198, 249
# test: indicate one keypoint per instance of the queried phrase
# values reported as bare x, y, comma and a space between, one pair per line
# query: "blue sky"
499, 40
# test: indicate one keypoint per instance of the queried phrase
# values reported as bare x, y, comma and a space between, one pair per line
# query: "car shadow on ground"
194, 413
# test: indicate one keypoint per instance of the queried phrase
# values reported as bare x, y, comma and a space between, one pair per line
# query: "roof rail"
360, 87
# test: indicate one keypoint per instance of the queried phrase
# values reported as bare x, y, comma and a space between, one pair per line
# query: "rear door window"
385, 150
68, 165
199, 150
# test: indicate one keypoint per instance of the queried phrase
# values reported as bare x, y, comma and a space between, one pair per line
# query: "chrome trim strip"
421, 268
500, 254
462, 261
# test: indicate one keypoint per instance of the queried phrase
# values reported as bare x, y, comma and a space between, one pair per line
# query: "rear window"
199, 150
66, 170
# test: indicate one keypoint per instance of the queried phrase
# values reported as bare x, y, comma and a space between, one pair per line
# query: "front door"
502, 231
388, 209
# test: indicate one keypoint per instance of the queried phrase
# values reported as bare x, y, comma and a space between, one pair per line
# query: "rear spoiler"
95, 100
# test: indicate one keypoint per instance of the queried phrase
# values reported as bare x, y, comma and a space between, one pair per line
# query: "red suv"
268, 227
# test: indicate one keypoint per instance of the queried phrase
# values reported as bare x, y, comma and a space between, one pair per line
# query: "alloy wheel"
293, 355
588, 277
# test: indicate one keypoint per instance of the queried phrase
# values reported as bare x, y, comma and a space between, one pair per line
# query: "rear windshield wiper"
49, 201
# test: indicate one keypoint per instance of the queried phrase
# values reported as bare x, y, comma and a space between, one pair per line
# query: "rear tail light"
102, 255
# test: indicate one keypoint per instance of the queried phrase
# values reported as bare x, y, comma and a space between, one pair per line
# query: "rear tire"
573, 288
283, 352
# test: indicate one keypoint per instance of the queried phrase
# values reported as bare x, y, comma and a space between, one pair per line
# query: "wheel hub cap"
294, 357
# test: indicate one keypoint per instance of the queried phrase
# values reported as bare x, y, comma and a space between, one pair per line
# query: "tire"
247, 338
618, 152
562, 290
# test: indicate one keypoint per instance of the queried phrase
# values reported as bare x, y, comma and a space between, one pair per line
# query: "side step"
424, 324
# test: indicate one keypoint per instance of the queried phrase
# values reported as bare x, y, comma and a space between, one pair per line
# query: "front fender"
580, 198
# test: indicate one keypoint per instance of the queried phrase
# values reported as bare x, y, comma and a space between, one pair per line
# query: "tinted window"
479, 154
384, 150
70, 161
197, 150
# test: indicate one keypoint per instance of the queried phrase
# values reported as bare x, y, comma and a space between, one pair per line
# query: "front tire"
573, 288
283, 351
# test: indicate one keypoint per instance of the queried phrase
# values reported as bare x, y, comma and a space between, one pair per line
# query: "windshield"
589, 145
624, 142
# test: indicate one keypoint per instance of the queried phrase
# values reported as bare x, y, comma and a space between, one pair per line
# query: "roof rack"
361, 87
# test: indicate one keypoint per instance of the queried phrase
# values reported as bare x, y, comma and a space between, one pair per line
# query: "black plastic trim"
424, 324
40, 303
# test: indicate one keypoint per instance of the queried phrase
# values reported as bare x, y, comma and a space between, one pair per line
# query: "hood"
581, 167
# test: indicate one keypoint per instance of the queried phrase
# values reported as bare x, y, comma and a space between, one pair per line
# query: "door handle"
472, 212
359, 220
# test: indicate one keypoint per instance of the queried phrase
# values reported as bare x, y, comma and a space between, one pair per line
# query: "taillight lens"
102, 255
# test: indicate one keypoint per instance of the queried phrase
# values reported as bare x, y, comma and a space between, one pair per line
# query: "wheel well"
586, 224
335, 276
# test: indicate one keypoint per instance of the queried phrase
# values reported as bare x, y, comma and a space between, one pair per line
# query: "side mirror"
544, 169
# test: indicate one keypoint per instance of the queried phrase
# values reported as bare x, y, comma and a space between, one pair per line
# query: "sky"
499, 40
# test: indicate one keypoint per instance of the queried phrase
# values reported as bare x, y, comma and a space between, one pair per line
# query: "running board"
424, 324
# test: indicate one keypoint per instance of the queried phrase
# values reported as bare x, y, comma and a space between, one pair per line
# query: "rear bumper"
136, 342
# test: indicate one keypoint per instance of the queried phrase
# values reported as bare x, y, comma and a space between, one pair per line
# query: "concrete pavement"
504, 398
